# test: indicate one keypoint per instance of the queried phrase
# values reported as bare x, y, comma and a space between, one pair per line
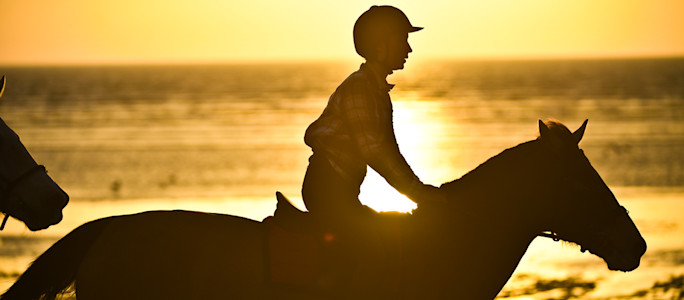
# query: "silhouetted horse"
466, 248
26, 191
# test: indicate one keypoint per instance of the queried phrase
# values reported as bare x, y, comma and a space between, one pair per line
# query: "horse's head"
584, 210
26, 191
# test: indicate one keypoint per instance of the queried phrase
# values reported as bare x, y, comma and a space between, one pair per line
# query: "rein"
11, 185
555, 237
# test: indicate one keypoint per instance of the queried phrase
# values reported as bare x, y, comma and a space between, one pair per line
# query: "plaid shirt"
356, 130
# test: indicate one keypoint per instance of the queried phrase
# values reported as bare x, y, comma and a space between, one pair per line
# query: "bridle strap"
4, 221
555, 237
10, 187
12, 184
551, 235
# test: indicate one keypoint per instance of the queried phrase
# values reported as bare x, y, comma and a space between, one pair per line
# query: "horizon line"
257, 61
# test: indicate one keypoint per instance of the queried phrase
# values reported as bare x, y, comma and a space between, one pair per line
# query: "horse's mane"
518, 159
559, 130
557, 126
493, 166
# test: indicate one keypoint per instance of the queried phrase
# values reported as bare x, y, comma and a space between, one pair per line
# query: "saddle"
300, 253
297, 249
291, 218
293, 255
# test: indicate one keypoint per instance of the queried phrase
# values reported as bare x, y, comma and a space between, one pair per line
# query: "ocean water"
224, 138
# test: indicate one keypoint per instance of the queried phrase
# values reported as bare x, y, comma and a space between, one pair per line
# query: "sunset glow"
79, 31
413, 121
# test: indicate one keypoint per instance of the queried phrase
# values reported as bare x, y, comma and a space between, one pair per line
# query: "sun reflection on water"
417, 132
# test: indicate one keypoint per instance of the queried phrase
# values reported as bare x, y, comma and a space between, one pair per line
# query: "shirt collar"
380, 81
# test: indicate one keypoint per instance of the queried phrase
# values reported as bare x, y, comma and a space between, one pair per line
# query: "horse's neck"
477, 257
494, 221
504, 188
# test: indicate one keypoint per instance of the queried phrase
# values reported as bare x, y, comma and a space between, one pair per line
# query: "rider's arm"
369, 117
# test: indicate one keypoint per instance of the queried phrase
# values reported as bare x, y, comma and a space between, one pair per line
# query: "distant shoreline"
254, 62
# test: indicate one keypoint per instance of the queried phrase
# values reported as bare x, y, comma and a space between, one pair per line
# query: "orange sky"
85, 31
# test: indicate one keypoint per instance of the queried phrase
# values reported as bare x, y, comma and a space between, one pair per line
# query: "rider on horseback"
355, 130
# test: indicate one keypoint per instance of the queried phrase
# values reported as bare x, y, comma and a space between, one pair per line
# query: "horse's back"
135, 255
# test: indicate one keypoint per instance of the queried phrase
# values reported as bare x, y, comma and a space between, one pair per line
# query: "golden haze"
80, 31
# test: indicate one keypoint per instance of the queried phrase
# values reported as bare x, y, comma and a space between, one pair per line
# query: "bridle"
11, 185
595, 228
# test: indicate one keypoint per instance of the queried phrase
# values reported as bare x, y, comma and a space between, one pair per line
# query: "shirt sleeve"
369, 118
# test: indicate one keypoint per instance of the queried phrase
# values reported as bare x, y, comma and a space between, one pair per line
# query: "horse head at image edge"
27, 192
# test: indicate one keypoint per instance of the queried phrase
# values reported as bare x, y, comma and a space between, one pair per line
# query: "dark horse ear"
2, 85
579, 133
543, 129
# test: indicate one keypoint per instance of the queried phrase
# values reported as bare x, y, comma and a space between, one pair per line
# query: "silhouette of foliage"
673, 288
571, 287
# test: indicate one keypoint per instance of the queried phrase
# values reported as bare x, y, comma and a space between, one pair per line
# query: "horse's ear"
543, 129
2, 85
579, 133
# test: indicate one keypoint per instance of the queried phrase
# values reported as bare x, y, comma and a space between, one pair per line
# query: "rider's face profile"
394, 52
